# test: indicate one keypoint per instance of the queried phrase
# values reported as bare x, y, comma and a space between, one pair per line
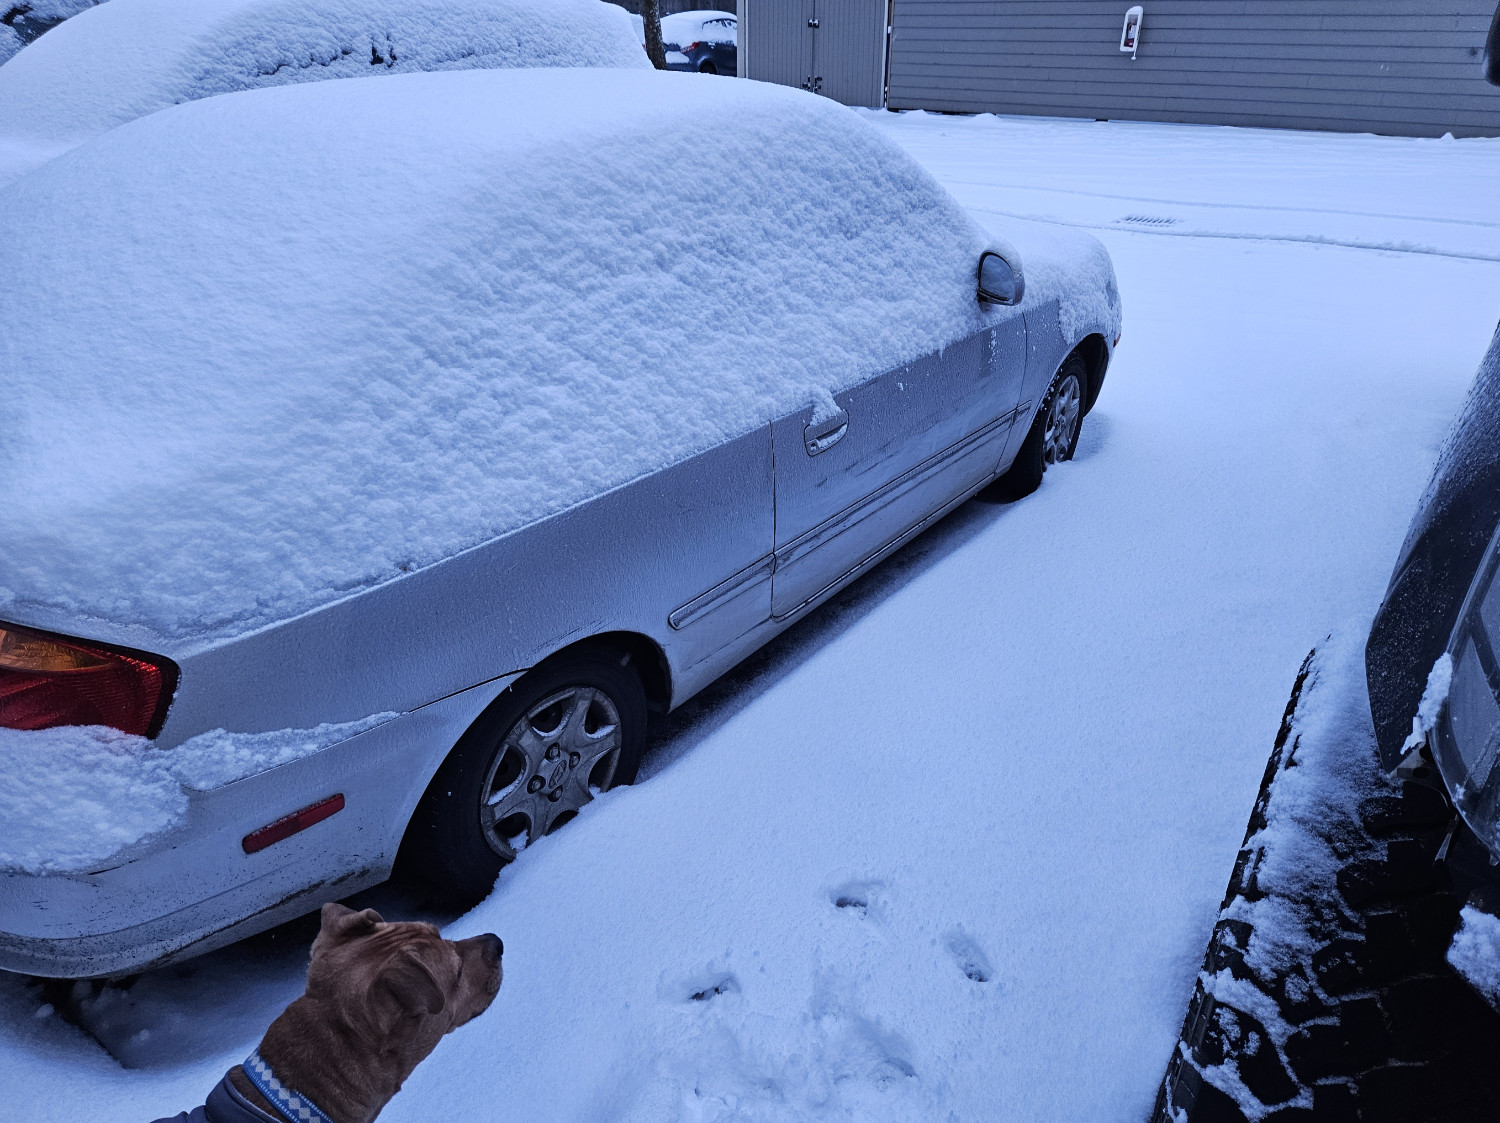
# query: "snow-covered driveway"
952, 847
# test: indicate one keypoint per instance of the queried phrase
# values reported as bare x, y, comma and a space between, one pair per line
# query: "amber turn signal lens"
22, 650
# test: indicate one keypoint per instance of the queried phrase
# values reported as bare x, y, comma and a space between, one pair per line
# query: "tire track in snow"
1292, 239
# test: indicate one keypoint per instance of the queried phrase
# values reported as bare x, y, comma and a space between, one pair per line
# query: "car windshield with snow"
383, 458
127, 58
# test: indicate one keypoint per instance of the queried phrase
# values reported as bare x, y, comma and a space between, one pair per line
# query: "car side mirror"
1492, 52
1000, 282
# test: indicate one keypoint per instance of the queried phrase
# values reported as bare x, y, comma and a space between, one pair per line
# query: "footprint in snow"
856, 898
728, 984
701, 986
969, 957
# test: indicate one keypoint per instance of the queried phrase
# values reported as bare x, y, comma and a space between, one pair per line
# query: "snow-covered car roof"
272, 348
128, 58
706, 24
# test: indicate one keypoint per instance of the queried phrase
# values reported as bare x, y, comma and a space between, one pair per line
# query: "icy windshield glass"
1467, 741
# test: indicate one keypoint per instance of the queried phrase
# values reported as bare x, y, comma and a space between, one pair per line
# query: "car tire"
565, 731
1053, 436
708, 67
1373, 1022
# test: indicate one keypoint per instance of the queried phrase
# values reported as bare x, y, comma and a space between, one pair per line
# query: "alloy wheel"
548, 765
1062, 421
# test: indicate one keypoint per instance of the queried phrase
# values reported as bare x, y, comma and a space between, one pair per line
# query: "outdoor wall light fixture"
1130, 35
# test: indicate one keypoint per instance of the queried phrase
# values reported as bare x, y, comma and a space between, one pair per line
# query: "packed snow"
74, 798
307, 376
951, 849
1312, 809
1439, 679
128, 58
1475, 952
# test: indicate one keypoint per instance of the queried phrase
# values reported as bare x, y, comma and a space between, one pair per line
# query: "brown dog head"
401, 981
379, 998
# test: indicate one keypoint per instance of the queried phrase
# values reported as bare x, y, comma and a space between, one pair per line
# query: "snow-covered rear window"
699, 26
271, 348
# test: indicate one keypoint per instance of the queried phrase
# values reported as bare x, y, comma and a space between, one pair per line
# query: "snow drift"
279, 346
128, 58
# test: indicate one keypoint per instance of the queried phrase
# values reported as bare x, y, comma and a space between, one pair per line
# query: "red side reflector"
48, 680
291, 824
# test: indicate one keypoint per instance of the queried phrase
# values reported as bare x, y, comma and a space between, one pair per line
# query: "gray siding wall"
1404, 67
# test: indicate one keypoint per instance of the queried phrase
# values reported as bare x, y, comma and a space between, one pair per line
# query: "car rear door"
900, 449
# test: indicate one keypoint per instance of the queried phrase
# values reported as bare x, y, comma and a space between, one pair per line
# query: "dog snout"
493, 944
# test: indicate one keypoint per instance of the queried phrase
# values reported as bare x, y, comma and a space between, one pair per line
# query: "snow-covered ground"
950, 849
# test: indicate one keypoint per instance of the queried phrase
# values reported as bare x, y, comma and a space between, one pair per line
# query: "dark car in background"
705, 40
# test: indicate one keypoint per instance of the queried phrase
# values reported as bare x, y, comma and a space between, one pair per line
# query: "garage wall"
833, 47
1405, 67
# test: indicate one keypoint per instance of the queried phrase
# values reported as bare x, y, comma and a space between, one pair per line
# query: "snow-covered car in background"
394, 453
28, 20
706, 41
127, 58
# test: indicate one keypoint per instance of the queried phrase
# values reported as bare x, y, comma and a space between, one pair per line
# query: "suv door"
901, 449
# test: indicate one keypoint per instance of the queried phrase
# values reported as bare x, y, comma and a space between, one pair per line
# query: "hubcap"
1062, 421
548, 765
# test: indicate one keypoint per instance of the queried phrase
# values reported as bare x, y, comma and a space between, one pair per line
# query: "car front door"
896, 452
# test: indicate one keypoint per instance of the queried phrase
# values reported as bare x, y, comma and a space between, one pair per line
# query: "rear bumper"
196, 889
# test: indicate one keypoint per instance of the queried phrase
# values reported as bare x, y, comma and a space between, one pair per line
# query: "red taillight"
48, 680
691, 47
289, 825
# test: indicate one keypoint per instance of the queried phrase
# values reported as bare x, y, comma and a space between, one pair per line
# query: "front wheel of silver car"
1053, 436
543, 749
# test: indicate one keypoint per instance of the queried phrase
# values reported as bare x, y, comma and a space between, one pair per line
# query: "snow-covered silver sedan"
382, 458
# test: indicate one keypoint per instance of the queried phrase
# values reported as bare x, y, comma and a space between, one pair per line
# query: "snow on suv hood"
271, 348
128, 58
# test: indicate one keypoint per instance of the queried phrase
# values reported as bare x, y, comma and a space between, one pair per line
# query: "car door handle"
820, 436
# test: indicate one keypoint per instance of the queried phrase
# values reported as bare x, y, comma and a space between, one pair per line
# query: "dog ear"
413, 986
345, 924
